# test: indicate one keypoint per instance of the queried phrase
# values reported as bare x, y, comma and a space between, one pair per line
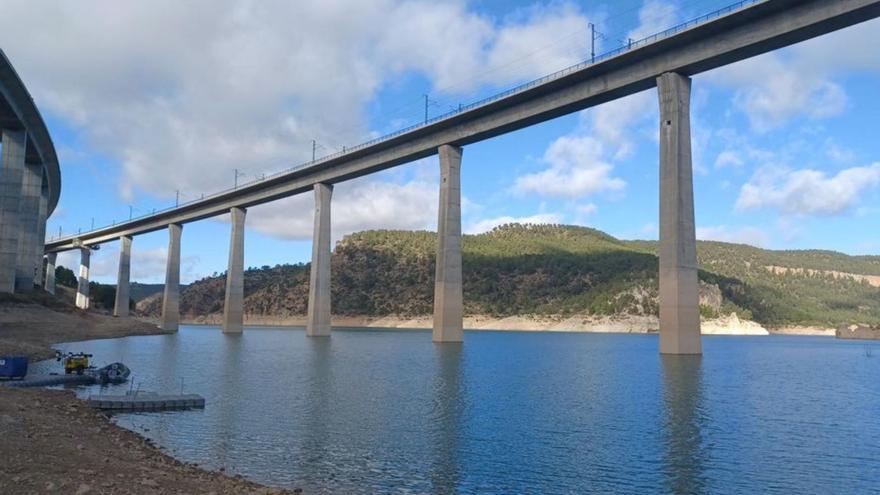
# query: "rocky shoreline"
860, 332
726, 325
29, 325
56, 443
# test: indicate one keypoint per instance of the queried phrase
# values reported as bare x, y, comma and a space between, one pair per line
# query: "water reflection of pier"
312, 456
683, 421
229, 417
447, 419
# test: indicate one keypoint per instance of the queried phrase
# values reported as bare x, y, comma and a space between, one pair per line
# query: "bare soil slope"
31, 323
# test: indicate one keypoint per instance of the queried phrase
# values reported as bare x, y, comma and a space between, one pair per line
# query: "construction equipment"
74, 362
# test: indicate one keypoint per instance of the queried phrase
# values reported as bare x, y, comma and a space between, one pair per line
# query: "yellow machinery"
74, 362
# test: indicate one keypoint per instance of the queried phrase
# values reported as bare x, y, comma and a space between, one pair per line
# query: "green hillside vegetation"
65, 276
556, 270
102, 296
140, 291
796, 296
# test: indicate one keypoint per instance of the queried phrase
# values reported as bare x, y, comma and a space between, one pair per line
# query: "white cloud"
356, 205
581, 163
837, 153
728, 158
537, 38
840, 50
150, 264
786, 94
615, 122
180, 94
68, 259
146, 264
490, 223
587, 209
577, 168
774, 88
807, 192
701, 132
739, 235
655, 16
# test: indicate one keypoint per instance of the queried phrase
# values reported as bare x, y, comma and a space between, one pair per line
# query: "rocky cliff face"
864, 332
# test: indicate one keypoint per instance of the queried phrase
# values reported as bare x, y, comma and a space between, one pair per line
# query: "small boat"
112, 373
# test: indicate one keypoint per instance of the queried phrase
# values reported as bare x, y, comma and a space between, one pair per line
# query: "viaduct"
30, 184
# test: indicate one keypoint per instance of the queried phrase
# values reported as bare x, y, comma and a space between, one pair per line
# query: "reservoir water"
372, 411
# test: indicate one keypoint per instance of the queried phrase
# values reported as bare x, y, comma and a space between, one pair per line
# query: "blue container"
13, 366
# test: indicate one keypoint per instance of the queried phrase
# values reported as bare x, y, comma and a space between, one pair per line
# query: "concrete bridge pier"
49, 284
11, 172
82, 289
40, 248
318, 323
448, 306
171, 296
679, 296
233, 308
28, 220
120, 307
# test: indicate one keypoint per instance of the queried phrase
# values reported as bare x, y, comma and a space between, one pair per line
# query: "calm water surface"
370, 411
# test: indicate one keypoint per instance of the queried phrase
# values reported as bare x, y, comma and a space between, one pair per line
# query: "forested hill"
559, 270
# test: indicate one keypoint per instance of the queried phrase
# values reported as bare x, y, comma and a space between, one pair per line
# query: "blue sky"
144, 101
